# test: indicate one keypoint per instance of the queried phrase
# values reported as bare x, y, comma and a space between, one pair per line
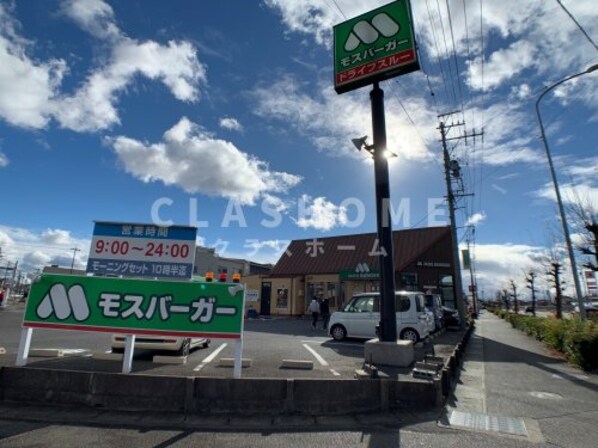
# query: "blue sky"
224, 112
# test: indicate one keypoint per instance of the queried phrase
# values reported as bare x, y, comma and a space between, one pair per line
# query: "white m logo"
362, 268
63, 304
369, 32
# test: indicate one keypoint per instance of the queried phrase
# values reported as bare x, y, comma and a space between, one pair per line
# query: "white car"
182, 346
361, 315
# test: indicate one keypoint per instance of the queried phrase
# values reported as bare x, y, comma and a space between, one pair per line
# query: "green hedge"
577, 340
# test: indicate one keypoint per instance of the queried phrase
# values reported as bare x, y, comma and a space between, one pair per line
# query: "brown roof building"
340, 266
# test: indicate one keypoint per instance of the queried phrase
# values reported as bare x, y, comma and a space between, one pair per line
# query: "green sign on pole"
374, 46
117, 305
466, 259
348, 274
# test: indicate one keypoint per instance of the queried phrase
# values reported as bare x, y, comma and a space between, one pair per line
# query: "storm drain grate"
482, 422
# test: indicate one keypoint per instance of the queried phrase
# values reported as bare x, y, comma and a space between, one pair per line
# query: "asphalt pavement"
509, 384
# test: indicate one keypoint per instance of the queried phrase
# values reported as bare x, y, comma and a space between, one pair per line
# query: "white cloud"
35, 97
522, 91
571, 193
497, 264
476, 219
329, 120
502, 65
197, 162
56, 236
3, 160
33, 84
319, 213
232, 124
516, 30
94, 16
35, 249
94, 106
498, 188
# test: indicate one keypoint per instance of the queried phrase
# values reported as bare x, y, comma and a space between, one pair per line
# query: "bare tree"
584, 215
514, 295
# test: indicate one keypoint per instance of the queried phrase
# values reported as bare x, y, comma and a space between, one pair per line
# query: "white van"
359, 317
181, 346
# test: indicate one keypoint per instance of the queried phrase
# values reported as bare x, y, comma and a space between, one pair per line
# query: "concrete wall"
114, 391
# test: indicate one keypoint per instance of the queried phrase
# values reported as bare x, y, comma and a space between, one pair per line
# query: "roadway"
506, 378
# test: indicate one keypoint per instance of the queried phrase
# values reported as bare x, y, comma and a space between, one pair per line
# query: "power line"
437, 47
578, 24
339, 9
448, 9
450, 71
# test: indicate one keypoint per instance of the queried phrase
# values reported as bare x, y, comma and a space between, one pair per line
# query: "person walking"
325, 312
314, 308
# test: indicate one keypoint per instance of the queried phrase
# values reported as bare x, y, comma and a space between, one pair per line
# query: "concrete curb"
214, 396
297, 364
230, 362
450, 370
158, 359
46, 353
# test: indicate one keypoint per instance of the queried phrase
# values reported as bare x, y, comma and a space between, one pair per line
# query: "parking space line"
208, 359
334, 343
321, 360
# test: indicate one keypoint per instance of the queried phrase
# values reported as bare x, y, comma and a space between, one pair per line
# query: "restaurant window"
447, 291
409, 281
282, 298
324, 290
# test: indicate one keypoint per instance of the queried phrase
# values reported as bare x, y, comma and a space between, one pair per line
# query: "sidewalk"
511, 384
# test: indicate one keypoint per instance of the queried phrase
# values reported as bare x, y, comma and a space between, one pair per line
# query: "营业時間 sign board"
142, 250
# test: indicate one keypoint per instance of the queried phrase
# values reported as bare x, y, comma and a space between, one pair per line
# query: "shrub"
577, 340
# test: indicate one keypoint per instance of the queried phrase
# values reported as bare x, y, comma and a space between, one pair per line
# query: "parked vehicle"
182, 346
434, 305
361, 315
591, 308
451, 317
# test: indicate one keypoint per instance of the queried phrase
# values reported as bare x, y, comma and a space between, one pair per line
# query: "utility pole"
75, 250
515, 302
531, 278
452, 170
472, 282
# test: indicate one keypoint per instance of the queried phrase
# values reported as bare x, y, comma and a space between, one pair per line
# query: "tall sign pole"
370, 48
388, 322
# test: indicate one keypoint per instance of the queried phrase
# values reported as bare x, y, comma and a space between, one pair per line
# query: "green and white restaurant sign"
134, 306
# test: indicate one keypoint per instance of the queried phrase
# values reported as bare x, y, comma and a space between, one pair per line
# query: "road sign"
374, 46
142, 250
136, 306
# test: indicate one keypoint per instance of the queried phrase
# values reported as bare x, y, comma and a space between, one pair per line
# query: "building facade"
207, 260
338, 267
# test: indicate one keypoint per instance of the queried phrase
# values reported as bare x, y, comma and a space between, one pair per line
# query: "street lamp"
578, 292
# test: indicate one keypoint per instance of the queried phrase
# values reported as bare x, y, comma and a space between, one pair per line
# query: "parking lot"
267, 342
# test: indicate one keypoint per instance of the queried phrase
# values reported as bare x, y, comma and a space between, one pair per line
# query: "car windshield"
365, 304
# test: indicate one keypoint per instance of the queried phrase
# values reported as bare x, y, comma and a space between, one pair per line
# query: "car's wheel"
410, 334
338, 332
118, 350
185, 347
206, 344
